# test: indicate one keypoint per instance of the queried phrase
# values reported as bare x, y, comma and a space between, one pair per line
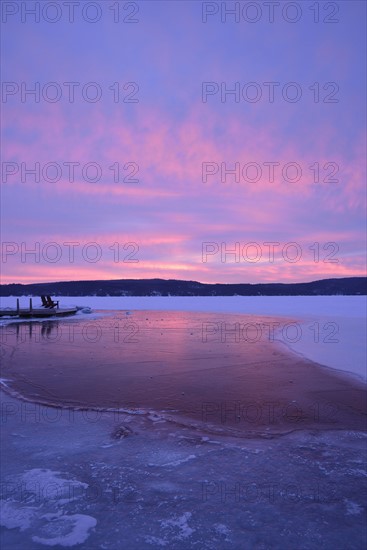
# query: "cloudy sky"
177, 140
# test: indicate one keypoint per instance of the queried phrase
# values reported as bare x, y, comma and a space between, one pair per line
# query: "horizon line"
184, 280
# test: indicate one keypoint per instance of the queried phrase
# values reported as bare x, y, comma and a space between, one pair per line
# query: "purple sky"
172, 138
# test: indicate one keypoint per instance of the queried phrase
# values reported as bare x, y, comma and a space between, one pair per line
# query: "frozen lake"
69, 480
331, 329
281, 466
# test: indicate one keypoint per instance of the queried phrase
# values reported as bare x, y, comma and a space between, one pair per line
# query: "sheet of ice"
340, 306
336, 342
70, 484
333, 329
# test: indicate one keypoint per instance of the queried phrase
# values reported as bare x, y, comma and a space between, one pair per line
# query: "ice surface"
70, 484
340, 306
323, 319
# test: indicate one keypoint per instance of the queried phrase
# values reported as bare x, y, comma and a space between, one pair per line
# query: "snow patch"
222, 529
66, 530
181, 524
14, 516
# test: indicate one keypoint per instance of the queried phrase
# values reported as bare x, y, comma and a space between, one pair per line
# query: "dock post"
18, 306
30, 305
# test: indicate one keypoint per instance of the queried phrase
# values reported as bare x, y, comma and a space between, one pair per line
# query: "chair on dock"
48, 302
51, 303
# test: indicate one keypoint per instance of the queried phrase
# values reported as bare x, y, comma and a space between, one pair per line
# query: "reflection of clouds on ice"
341, 318
45, 489
85, 314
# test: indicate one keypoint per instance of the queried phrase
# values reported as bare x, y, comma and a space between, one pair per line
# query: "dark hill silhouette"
173, 287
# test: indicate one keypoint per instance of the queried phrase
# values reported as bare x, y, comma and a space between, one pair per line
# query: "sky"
182, 141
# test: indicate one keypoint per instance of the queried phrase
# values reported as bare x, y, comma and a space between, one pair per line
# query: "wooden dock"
37, 312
